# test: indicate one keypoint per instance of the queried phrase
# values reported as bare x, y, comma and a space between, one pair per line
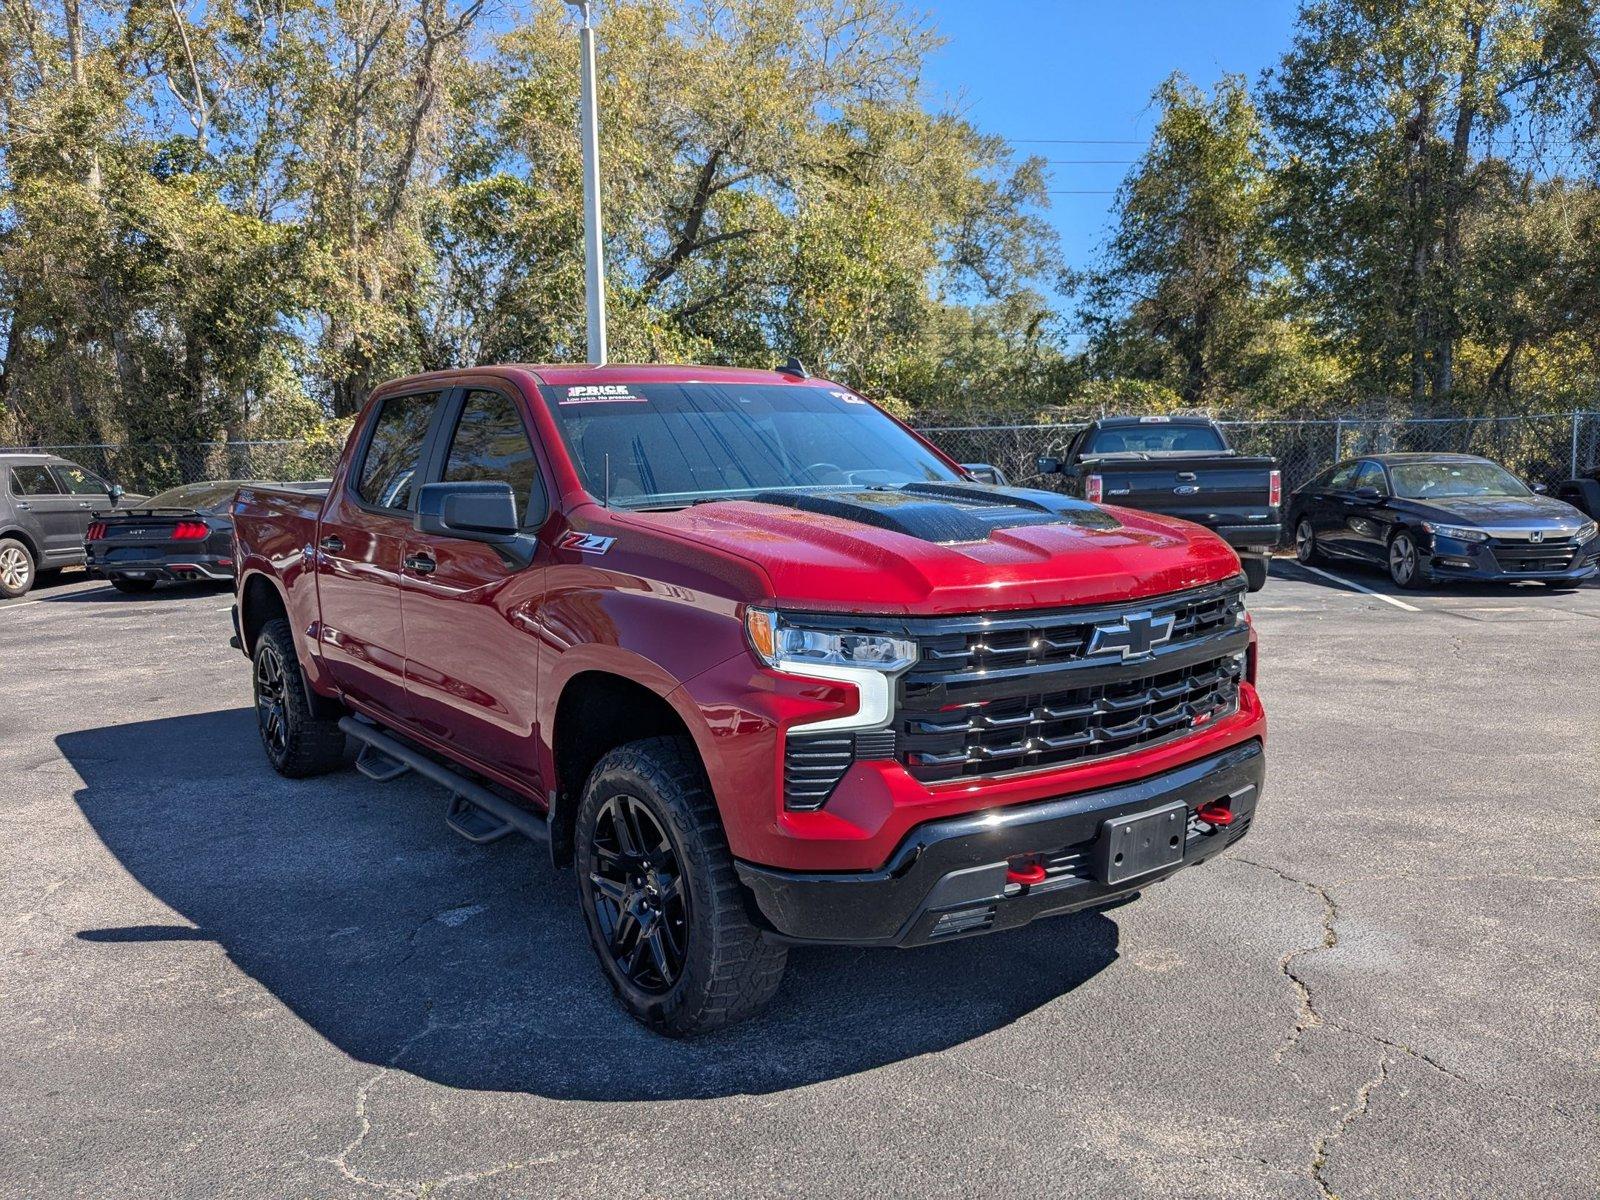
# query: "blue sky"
1067, 69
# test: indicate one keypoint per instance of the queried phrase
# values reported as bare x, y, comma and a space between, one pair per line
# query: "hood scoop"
944, 513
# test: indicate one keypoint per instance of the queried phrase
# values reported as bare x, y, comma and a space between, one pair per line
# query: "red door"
471, 656
363, 539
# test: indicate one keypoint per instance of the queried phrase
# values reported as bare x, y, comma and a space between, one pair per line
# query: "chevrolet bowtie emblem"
1135, 636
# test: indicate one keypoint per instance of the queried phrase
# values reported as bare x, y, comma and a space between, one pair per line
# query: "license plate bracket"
1141, 843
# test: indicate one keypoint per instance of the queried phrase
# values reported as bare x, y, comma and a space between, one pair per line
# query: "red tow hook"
1026, 871
1216, 813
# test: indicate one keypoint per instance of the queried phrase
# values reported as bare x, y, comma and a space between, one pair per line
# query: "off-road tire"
20, 573
1255, 573
300, 744
729, 971
134, 587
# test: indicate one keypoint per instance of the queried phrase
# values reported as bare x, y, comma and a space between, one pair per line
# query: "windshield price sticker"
602, 393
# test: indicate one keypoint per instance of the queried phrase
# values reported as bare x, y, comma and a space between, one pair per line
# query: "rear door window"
393, 458
33, 480
1344, 478
490, 444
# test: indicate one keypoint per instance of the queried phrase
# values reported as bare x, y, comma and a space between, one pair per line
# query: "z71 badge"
588, 543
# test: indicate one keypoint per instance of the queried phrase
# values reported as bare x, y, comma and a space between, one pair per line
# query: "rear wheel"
297, 742
664, 908
16, 568
1255, 573
134, 587
1306, 549
1405, 561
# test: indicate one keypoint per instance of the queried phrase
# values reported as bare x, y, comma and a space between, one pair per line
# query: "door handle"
24, 507
332, 544
422, 564
83, 504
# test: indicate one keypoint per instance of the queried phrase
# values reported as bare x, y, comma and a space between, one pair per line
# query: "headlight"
1459, 532
868, 661
1587, 532
777, 642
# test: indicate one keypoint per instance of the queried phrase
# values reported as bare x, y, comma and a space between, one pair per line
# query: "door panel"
39, 497
362, 541
1332, 509
89, 493
471, 661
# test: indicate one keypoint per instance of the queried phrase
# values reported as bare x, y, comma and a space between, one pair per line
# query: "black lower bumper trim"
948, 878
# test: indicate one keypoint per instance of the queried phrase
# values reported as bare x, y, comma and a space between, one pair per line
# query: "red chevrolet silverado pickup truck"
762, 665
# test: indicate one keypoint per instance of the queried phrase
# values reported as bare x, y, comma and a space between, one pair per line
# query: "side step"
490, 816
378, 766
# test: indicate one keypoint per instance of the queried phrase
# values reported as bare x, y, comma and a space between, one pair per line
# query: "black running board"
378, 766
498, 816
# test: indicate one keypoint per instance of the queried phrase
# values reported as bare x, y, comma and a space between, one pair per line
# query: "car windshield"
667, 445
1436, 480
211, 497
1157, 438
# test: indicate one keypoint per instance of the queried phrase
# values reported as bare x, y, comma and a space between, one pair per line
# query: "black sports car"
181, 534
1430, 517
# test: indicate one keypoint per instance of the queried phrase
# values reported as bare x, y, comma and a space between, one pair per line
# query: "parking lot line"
1350, 583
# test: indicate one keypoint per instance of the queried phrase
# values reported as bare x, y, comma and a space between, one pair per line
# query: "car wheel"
1306, 549
1405, 561
664, 908
134, 587
1255, 573
16, 568
297, 742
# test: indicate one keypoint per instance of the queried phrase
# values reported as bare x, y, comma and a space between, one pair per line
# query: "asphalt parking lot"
220, 983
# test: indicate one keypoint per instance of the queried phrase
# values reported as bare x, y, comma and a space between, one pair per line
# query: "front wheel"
1255, 573
1405, 561
16, 568
663, 905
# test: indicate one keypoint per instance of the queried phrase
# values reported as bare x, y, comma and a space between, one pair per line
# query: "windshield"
1156, 439
670, 444
1435, 480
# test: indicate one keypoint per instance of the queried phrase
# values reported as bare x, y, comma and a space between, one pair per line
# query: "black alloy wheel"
272, 700
636, 886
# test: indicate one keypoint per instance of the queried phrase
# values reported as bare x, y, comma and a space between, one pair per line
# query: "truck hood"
948, 548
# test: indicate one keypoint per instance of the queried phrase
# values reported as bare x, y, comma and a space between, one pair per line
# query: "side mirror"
1047, 464
1367, 493
475, 512
116, 491
1540, 488
984, 473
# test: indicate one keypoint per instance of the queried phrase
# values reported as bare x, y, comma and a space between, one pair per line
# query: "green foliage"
233, 221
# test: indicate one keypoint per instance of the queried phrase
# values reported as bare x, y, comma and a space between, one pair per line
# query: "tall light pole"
594, 267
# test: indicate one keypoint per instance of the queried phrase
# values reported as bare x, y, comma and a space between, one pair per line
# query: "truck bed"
1211, 489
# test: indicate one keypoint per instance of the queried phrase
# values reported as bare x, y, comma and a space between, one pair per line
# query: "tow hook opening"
1025, 869
1218, 813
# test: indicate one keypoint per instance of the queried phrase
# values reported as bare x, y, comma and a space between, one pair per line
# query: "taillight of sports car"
191, 531
96, 532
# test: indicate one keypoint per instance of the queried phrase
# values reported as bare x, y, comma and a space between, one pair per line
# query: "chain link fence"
1542, 448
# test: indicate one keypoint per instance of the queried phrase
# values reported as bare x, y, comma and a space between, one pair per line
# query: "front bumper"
947, 878
1451, 558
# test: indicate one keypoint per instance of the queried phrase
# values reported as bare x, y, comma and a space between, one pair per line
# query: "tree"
1176, 298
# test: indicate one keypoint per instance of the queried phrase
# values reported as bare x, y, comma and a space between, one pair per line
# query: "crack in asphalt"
1357, 1110
1308, 1017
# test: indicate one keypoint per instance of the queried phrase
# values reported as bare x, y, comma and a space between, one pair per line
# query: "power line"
1088, 162
1077, 142
1085, 192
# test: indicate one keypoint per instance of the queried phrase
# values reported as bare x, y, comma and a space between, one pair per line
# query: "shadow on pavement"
1377, 578
404, 946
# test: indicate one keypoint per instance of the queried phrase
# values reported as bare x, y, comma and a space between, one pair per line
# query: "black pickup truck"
1181, 467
